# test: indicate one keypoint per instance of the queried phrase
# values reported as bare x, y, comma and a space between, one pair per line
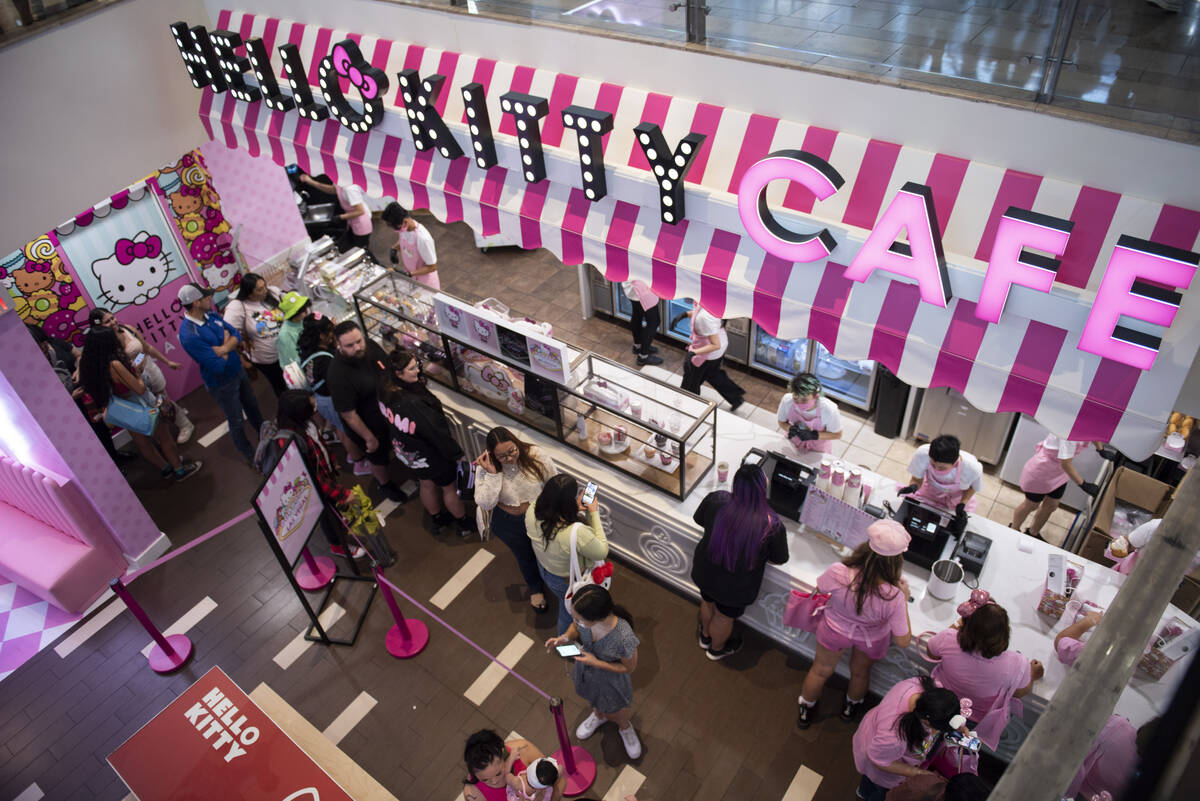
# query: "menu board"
513, 341
835, 518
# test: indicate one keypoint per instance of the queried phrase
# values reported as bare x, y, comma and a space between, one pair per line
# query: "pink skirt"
836, 641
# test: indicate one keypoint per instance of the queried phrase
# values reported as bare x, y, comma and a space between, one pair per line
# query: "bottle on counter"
837, 483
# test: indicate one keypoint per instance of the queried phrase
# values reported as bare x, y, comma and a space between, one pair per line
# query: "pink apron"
361, 224
698, 341
811, 420
1043, 473
645, 296
410, 256
946, 494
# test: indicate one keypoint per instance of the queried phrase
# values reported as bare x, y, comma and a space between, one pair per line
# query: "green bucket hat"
291, 303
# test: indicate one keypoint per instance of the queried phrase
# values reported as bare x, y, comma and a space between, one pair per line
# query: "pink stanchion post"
408, 637
578, 764
168, 653
314, 572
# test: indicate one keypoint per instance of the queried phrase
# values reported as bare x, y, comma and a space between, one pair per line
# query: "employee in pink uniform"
644, 319
867, 611
708, 346
1044, 480
1127, 550
975, 663
1110, 763
811, 420
945, 476
414, 249
355, 211
895, 737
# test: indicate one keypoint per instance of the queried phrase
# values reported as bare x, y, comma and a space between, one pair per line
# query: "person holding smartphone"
602, 671
549, 523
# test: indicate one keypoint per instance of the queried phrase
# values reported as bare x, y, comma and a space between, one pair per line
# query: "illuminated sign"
1141, 281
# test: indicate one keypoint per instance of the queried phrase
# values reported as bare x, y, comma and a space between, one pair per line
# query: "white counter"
653, 532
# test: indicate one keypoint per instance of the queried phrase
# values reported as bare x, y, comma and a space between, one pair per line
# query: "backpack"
272, 442
304, 369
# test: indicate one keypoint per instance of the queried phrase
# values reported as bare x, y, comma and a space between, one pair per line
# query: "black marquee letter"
480, 123
428, 127
232, 67
590, 126
198, 56
669, 168
527, 110
260, 62
347, 61
293, 65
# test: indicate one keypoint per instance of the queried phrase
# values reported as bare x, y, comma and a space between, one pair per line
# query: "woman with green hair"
811, 420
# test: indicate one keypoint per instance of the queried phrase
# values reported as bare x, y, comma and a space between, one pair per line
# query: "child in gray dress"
602, 674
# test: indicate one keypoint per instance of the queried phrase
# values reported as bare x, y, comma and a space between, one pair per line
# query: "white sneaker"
589, 726
633, 746
185, 431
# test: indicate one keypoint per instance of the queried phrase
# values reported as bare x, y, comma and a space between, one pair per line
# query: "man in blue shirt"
213, 344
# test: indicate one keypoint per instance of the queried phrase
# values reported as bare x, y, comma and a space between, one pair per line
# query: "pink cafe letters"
1141, 282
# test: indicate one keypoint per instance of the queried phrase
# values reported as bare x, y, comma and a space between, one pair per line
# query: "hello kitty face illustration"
32, 278
219, 276
134, 272
185, 201
453, 316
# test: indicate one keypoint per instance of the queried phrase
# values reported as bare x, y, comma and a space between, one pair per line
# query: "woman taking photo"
491, 761
549, 523
106, 371
135, 344
901, 733
509, 476
422, 440
976, 664
741, 534
255, 314
604, 632
867, 611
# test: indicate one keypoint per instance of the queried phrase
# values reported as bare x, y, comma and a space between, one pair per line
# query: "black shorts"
439, 472
728, 611
1036, 497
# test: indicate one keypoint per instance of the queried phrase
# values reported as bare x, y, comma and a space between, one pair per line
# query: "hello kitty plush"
135, 271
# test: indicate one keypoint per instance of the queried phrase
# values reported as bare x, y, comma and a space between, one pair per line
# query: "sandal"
541, 608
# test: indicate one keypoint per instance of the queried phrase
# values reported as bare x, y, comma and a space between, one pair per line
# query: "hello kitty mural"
135, 271
196, 208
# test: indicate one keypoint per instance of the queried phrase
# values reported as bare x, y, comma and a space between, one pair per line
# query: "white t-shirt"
351, 197
259, 325
831, 418
706, 325
1066, 448
425, 246
1140, 537
971, 474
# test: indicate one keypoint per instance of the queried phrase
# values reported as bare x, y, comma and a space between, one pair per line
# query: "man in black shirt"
353, 381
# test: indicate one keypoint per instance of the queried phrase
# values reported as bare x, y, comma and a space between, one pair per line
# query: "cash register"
929, 528
787, 480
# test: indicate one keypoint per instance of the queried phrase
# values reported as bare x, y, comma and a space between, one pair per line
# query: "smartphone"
141, 357
568, 651
589, 493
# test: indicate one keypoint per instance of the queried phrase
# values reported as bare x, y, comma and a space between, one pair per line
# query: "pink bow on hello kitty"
964, 714
189, 190
127, 250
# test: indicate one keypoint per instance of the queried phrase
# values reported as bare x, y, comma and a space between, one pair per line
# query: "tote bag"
600, 572
139, 414
805, 610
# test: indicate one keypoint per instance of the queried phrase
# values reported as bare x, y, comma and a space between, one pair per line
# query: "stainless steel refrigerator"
849, 381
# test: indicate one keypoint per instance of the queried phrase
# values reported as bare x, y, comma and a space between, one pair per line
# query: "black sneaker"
732, 646
850, 710
804, 717
186, 470
465, 526
651, 349
394, 493
642, 361
441, 520
705, 642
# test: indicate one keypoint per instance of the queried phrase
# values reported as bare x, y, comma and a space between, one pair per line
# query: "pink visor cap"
888, 538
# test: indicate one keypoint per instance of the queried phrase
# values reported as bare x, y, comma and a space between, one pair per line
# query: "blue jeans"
558, 587
233, 398
870, 790
510, 529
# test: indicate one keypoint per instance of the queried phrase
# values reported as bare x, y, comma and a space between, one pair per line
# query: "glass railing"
18, 17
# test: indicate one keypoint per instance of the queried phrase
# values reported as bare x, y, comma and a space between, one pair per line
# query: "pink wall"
255, 194
42, 424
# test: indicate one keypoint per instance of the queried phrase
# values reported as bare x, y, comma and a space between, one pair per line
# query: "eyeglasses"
508, 455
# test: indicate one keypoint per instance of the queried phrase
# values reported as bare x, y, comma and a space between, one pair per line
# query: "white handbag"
600, 572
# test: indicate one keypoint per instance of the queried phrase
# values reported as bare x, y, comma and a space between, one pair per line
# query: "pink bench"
53, 542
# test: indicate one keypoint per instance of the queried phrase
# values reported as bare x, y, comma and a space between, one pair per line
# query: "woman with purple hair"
741, 534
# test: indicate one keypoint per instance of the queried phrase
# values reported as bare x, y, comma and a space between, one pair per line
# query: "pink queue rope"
180, 551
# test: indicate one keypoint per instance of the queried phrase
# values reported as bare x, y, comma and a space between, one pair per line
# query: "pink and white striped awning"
1027, 362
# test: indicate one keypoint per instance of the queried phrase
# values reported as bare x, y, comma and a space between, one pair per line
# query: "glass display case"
852, 381
779, 357
395, 310
331, 279
655, 432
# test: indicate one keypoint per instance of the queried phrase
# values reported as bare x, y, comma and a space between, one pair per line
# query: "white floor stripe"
804, 785
293, 650
627, 783
493, 674
386, 508
185, 623
214, 435
351, 716
89, 627
31, 793
459, 581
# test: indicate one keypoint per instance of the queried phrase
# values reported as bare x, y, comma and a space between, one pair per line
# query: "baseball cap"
290, 303
888, 538
191, 292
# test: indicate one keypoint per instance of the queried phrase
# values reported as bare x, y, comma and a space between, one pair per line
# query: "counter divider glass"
657, 433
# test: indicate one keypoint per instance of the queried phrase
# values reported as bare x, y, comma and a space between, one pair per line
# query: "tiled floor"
1126, 60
